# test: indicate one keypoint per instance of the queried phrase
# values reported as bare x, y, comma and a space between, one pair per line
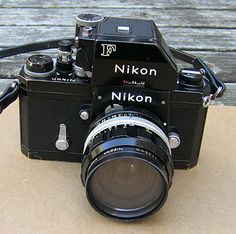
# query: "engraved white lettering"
134, 70
128, 97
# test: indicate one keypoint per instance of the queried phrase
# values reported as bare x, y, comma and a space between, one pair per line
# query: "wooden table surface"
206, 28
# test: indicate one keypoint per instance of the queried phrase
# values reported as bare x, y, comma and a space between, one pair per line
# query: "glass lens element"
127, 184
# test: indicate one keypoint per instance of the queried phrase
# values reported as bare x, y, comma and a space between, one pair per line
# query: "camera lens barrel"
127, 168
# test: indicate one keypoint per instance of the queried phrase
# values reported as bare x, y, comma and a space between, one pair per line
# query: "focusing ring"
127, 136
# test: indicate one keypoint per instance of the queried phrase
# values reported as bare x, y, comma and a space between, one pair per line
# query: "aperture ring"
127, 120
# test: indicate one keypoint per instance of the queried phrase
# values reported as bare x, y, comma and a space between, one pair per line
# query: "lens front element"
126, 187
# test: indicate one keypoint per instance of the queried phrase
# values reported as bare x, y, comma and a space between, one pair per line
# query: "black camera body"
121, 62
120, 106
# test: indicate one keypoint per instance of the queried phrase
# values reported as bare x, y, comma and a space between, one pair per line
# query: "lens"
127, 169
127, 187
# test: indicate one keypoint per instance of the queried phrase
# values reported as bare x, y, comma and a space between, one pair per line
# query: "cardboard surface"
48, 197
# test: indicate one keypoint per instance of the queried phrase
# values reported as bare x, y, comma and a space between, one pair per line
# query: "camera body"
119, 63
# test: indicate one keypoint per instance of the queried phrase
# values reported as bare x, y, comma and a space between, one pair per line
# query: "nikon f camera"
115, 100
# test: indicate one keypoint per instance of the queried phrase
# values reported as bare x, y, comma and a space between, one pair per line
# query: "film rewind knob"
39, 66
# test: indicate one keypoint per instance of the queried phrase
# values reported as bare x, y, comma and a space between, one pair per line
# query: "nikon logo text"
128, 97
133, 70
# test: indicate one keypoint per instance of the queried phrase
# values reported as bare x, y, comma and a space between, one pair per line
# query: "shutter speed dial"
62, 142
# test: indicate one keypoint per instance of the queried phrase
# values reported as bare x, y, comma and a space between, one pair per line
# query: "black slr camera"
120, 106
